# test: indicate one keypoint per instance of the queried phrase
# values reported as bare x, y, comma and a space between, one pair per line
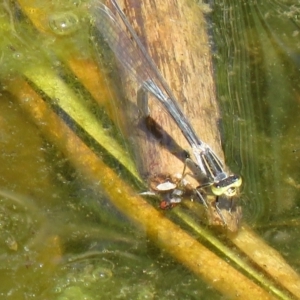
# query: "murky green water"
60, 236
258, 56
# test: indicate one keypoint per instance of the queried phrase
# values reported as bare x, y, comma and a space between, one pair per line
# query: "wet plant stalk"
165, 233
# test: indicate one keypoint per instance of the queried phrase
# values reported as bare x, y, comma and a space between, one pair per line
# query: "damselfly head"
227, 186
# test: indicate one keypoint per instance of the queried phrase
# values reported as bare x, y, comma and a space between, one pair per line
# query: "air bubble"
63, 23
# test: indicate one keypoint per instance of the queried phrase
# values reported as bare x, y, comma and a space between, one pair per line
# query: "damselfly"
131, 53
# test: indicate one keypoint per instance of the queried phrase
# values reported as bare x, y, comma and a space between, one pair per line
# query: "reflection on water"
258, 56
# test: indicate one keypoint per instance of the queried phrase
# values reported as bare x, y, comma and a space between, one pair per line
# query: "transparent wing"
131, 53
135, 59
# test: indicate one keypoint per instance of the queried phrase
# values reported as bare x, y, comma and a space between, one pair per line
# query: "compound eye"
231, 191
227, 186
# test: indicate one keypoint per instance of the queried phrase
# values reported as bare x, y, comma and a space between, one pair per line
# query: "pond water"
61, 237
257, 58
